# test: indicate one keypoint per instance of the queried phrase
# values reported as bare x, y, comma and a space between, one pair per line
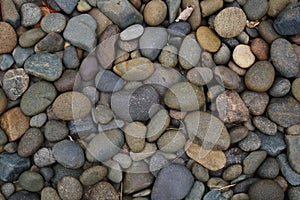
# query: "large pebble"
93, 175
253, 161
107, 81
44, 65
103, 190
173, 7
135, 134
31, 14
269, 168
171, 141
296, 89
31, 181
69, 80
168, 56
180, 28
44, 157
8, 38
155, 12
6, 61
21, 54
196, 192
66, 5
49, 193
10, 13
200, 75
266, 189
276, 6
55, 131
66, 106
251, 143
293, 145
157, 125
290, 175
207, 39
208, 7
260, 49
30, 142
53, 42
173, 182
53, 22
284, 58
256, 9
265, 125
288, 21
132, 32
280, 87
31, 37
69, 188
37, 98
256, 102
272, 144
226, 77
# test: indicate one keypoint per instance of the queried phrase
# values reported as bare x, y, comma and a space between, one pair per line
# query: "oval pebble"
69, 188
155, 12
31, 181
132, 32
243, 56
296, 89
53, 22
207, 39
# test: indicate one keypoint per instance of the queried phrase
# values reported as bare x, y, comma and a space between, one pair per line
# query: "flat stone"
251, 143
14, 123
280, 87
21, 54
196, 16
236, 22
256, 102
227, 77
103, 190
284, 58
152, 41
293, 145
80, 127
121, 12
83, 6
288, 21
269, 168
31, 181
266, 189
52, 42
69, 188
66, 107
67, 5
8, 38
200, 76
290, 175
157, 162
256, 9
7, 189
189, 52
171, 141
264, 125
253, 161
284, 111
53, 22
44, 157
296, 89
37, 98
44, 65
155, 12
260, 49
81, 32
174, 182
31, 37
135, 134
10, 13
243, 56
207, 39
196, 192
12, 165
30, 142
93, 175
132, 32
107, 81
15, 82
31, 14
272, 144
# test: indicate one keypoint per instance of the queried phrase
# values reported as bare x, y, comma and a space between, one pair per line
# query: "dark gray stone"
196, 192
256, 9
272, 144
82, 128
181, 28
269, 168
53, 42
214, 195
24, 195
290, 175
60, 172
67, 5
293, 147
107, 81
6, 61
55, 131
251, 143
288, 21
280, 87
10, 13
294, 193
235, 156
70, 58
30, 142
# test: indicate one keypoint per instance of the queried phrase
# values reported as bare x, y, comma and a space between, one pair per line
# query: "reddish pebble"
260, 49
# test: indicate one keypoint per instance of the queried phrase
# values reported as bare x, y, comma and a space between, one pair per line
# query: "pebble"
102, 21
152, 41
49, 193
89, 68
288, 21
44, 157
214, 194
232, 172
11, 147
293, 144
132, 32
196, 192
284, 58
157, 125
47, 173
264, 125
55, 131
284, 111
60, 172
226, 77
107, 81
290, 175
31, 37
156, 163
269, 169
149, 150
200, 76
69, 154
293, 130
256, 9
69, 188
67, 5
223, 55
71, 59
69, 80
83, 6
14, 123
3, 137
168, 56
30, 14
174, 182
240, 196
256, 102
276, 6
81, 126
186, 58
15, 82
135, 134
238, 133
244, 184
53, 22
200, 172
253, 161
102, 114
280, 87
103, 190
6, 61
212, 160
3, 101
31, 181
272, 144
180, 28
266, 189
171, 141
155, 12
93, 175
134, 104
251, 143
52, 42
196, 16
236, 19
173, 8
243, 56
296, 89
231, 107
8, 38
266, 30
30, 142
24, 195
21, 54
137, 69
63, 106
12, 165
209, 7
81, 32
7, 189
208, 125
260, 49
137, 178
106, 144
207, 39
235, 156
125, 48
123, 159
44, 65
37, 98
294, 193
10, 13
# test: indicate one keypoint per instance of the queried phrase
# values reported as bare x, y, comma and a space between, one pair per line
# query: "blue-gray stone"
272, 144
173, 7
70, 58
10, 13
290, 175
288, 21
6, 61
82, 128
53, 42
24, 195
293, 147
196, 192
60, 172
256, 9
67, 5
12, 165
44, 65
107, 81
3, 137
81, 32
214, 195
181, 28
121, 12
21, 54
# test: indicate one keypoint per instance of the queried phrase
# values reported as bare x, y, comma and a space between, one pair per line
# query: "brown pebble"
69, 80
260, 49
3, 101
8, 38
207, 39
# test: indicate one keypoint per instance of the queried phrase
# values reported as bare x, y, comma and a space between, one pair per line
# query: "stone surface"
174, 182
135, 134
269, 168
280, 87
107, 81
93, 175
260, 49
3, 101
236, 19
53, 22
251, 143
155, 12
264, 125
53, 42
232, 172
196, 192
238, 133
44, 157
30, 142
223, 55
180, 28
207, 39
149, 150
276, 6
288, 21
266, 189
10, 13
255, 102
243, 56
55, 131
49, 193
103, 190
102, 21
30, 37
296, 89
67, 5
37, 98
169, 56
253, 161
209, 7
30, 14
14, 123
214, 194
69, 80
256, 9
290, 175
132, 32
200, 76
8, 38
21, 54
196, 16
102, 114
89, 68
71, 59
6, 61
69, 188
293, 193
31, 181
272, 144
44, 65
173, 7
226, 77
157, 125
15, 82
171, 141
293, 145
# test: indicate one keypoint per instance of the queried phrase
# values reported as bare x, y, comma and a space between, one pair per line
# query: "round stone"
155, 12
135, 134
207, 39
102, 114
280, 87
296, 89
7, 189
93, 175
69, 188
256, 9
171, 141
69, 154
8, 38
169, 56
251, 143
55, 131
243, 56
260, 76
31, 181
235, 20
53, 22
227, 78
37, 98
185, 97
49, 193
30, 142
256, 102
38, 120
266, 189
31, 37
43, 157
276, 6
260, 49
264, 125
103, 190
31, 14
132, 32
253, 161
69, 80
238, 133
180, 28
232, 172
200, 75
71, 106
107, 81
269, 169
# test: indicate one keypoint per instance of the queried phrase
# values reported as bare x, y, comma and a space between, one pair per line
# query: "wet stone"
30, 142
280, 87
53, 22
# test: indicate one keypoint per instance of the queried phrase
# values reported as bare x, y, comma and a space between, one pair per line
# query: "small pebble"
269, 168
264, 125
280, 87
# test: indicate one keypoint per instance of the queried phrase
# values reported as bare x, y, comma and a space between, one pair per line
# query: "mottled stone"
251, 143
269, 168
21, 54
253, 161
180, 28
256, 102
272, 144
256, 9
169, 56
155, 12
52, 42
53, 22
30, 142
226, 77
67, 5
296, 89
266, 189
6, 61
69, 188
44, 157
132, 32
207, 39
31, 14
31, 37
209, 7
31, 181
10, 13
93, 175
8, 38
280, 87
260, 49
103, 190
200, 76
69, 80
264, 125
173, 7
135, 134
290, 175
288, 21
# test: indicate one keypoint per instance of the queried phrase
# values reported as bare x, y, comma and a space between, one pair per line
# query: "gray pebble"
200, 173
132, 32
51, 43
265, 125
196, 192
70, 58
69, 188
294, 193
223, 55
290, 175
53, 22
280, 87
67, 5
55, 131
21, 54
31, 14
44, 157
38, 120
31, 181
269, 168
123, 159
272, 144
60, 172
6, 61
7, 189
256, 9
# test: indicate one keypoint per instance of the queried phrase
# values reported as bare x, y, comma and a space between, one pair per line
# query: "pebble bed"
123, 99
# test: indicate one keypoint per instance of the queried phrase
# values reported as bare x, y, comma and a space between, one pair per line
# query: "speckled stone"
255, 101
31, 37
93, 175
260, 49
169, 56
155, 12
269, 168
21, 54
69, 188
55, 131
66, 5
53, 22
10, 13
280, 87
6, 61
8, 38
290, 175
207, 39
296, 89
30, 14
266, 189
264, 125
200, 75
256, 9
227, 77
272, 144
30, 142
251, 143
31, 181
